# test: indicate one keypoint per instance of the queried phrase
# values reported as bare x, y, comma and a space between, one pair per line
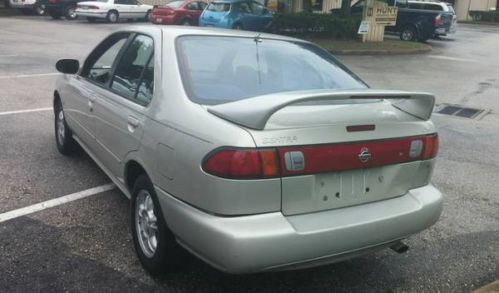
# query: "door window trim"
107, 85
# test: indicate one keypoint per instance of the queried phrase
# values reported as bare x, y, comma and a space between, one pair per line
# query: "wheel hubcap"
113, 17
146, 223
60, 127
407, 35
72, 13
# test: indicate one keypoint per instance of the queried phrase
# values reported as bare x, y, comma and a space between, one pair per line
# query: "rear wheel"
185, 21
70, 13
154, 243
63, 135
408, 33
112, 16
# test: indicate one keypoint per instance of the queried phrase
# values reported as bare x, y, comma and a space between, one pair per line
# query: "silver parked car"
254, 152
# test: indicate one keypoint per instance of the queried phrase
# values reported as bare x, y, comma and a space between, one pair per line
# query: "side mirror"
67, 66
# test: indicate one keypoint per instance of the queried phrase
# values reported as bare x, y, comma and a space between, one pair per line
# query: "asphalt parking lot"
85, 245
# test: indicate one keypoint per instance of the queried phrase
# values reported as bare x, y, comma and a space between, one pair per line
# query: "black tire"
166, 255
112, 16
91, 19
39, 10
55, 15
185, 22
69, 12
63, 137
408, 33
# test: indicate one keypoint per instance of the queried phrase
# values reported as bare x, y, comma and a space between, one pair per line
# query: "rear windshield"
175, 4
219, 7
217, 70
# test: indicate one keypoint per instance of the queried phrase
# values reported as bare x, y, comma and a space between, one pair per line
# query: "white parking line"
25, 111
29, 75
54, 202
451, 58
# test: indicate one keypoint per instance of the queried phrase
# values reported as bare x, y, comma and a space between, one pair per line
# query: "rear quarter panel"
180, 134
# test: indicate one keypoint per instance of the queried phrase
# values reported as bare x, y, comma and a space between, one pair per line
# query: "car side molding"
255, 112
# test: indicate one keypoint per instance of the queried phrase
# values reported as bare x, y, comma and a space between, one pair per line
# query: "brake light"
243, 163
300, 160
437, 21
430, 147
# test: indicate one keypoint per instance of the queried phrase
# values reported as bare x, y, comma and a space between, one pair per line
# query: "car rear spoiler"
254, 112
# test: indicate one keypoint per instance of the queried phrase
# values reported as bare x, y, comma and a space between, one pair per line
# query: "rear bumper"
163, 19
272, 241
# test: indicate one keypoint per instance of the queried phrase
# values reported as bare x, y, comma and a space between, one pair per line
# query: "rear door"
119, 110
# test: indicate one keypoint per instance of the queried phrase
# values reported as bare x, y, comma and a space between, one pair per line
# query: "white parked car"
113, 10
26, 6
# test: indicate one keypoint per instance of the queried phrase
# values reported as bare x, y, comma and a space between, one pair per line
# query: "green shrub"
306, 24
484, 15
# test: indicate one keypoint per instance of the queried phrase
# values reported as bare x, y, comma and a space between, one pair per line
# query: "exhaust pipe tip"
399, 247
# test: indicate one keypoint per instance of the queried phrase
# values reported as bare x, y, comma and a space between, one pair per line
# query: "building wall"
463, 6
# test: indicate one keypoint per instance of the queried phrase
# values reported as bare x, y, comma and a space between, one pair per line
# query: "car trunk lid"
338, 148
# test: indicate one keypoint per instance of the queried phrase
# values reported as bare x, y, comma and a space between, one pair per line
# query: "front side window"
202, 5
218, 7
192, 6
99, 64
131, 67
175, 4
257, 8
244, 7
240, 68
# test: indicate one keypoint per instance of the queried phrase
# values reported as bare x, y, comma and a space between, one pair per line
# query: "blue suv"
237, 14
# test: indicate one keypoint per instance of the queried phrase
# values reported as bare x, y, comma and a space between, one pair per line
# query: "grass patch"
357, 47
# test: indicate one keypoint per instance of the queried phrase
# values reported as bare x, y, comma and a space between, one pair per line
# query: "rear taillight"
243, 163
313, 159
437, 21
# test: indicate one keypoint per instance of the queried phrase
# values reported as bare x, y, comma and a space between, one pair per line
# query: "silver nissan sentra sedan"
255, 152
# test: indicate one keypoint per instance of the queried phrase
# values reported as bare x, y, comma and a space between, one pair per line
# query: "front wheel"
408, 33
40, 10
70, 13
185, 22
63, 135
112, 16
154, 243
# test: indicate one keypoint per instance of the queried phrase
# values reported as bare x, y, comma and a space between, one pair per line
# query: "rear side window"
240, 68
132, 66
202, 5
99, 64
415, 6
433, 7
175, 4
218, 7
193, 6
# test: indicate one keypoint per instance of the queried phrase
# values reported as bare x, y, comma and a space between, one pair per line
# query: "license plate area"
310, 193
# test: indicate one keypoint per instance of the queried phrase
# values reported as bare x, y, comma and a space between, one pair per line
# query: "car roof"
178, 31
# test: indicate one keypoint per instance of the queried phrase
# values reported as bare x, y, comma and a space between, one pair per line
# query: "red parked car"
178, 12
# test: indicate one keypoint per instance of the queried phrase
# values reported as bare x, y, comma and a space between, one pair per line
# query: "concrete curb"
490, 288
382, 52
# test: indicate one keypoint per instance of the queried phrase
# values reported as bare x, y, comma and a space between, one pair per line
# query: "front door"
119, 110
95, 74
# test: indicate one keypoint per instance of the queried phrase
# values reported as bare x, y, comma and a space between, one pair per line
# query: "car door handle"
92, 98
133, 122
